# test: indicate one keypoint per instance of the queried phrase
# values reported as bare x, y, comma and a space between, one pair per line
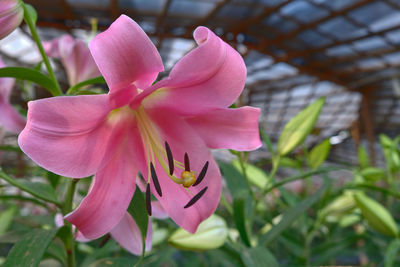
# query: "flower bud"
11, 15
377, 215
342, 205
211, 234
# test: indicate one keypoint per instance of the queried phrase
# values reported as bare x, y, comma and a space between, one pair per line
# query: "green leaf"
113, 262
6, 218
385, 141
39, 190
256, 176
239, 217
235, 181
292, 214
340, 206
391, 253
297, 129
377, 215
30, 75
75, 89
32, 13
258, 257
319, 154
211, 234
289, 163
363, 158
53, 178
372, 174
137, 209
30, 249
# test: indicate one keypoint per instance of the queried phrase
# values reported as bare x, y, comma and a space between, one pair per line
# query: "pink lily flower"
11, 15
163, 130
10, 119
75, 56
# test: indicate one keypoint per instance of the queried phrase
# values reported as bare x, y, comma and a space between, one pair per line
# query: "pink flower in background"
163, 130
75, 56
11, 15
10, 119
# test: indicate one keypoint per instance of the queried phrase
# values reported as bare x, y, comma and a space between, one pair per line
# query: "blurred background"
295, 52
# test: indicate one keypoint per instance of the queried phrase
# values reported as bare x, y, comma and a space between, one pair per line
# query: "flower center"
156, 151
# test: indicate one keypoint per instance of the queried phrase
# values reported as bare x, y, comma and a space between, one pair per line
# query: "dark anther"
148, 200
196, 198
201, 175
155, 179
170, 158
187, 163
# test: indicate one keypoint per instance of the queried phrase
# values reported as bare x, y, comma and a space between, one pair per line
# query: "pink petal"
11, 15
59, 221
228, 128
211, 76
181, 139
6, 85
107, 201
52, 48
127, 234
78, 62
158, 211
69, 135
125, 55
75, 56
10, 119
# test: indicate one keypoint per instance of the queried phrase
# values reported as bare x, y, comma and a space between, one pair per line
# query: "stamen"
196, 198
170, 158
148, 200
155, 179
187, 163
202, 174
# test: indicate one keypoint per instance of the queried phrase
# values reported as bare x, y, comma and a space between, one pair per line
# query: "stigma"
188, 178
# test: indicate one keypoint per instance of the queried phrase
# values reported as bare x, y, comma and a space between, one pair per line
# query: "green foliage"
377, 215
76, 88
29, 250
258, 257
255, 175
30, 75
319, 154
137, 209
363, 158
297, 129
292, 214
32, 14
239, 216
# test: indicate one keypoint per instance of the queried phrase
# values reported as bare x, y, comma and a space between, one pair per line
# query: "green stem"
69, 241
35, 36
300, 176
275, 165
243, 167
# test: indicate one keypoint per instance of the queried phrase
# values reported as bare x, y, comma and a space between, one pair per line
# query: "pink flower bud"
11, 15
